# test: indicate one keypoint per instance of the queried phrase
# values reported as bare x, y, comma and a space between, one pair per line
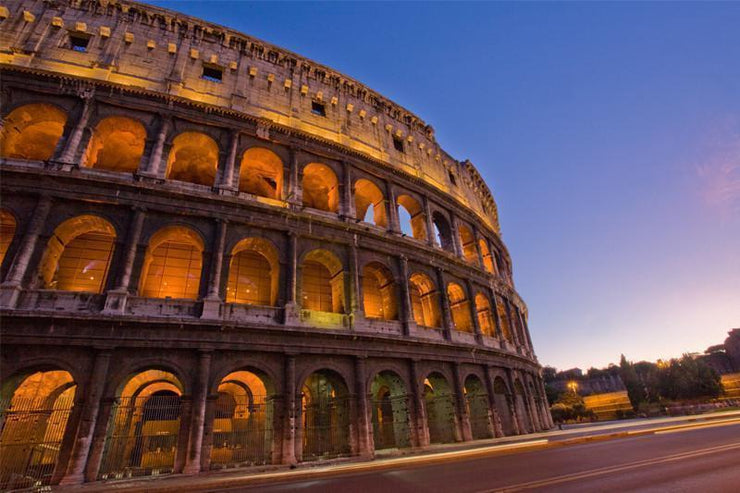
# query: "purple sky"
609, 134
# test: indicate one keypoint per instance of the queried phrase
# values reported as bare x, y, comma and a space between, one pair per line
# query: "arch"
322, 282
501, 398
254, 271
32, 132
476, 401
193, 158
117, 145
484, 314
467, 240
460, 307
503, 318
34, 418
143, 431
8, 226
442, 232
320, 188
390, 411
172, 265
325, 416
242, 426
522, 407
78, 255
487, 257
379, 293
440, 407
424, 300
412, 217
370, 203
261, 173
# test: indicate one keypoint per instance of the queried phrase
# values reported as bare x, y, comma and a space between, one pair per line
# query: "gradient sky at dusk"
609, 134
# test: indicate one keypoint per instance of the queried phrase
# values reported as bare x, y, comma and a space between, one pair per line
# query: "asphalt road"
696, 460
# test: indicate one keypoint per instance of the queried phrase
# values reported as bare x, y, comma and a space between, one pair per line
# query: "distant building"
724, 358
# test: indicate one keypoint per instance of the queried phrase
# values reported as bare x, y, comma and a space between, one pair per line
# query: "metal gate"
480, 423
142, 437
242, 437
326, 428
32, 432
391, 422
441, 418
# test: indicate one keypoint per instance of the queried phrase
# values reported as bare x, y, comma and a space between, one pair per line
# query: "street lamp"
573, 386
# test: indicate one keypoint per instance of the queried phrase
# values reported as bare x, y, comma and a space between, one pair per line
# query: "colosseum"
217, 253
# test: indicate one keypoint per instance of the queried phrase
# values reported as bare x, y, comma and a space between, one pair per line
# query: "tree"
635, 388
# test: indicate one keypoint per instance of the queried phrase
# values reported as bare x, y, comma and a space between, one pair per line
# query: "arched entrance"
440, 406
242, 425
501, 399
476, 400
325, 416
34, 411
390, 412
143, 431
522, 407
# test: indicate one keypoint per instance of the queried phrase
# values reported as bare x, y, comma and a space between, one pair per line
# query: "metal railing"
440, 418
242, 437
478, 411
326, 428
391, 422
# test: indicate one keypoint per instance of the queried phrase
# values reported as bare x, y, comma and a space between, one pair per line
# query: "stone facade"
217, 253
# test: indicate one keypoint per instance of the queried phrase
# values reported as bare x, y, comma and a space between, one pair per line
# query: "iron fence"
478, 411
441, 418
391, 422
326, 428
242, 436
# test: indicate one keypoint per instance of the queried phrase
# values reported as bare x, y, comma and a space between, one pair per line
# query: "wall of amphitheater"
216, 253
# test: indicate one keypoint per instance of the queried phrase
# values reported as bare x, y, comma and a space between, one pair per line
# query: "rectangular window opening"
79, 42
213, 74
318, 108
452, 178
398, 143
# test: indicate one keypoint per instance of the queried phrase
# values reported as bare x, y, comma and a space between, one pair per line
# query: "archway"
440, 406
144, 427
261, 173
34, 416
424, 300
32, 132
242, 425
486, 254
379, 292
485, 318
460, 307
503, 319
7, 232
501, 398
78, 255
467, 240
322, 282
325, 416
320, 188
476, 400
370, 203
117, 145
412, 218
253, 273
172, 265
442, 231
390, 408
193, 158
522, 407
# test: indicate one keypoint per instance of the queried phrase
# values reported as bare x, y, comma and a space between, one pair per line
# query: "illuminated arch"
424, 300
460, 307
485, 315
261, 173
322, 282
117, 144
78, 255
325, 416
390, 411
7, 232
320, 188
379, 292
173, 263
370, 203
503, 318
467, 240
36, 414
443, 233
193, 158
411, 217
253, 273
440, 409
486, 254
32, 132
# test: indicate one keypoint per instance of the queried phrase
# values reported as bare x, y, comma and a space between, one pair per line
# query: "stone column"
394, 224
497, 319
295, 195
431, 240
227, 177
517, 418
476, 235
466, 433
97, 447
447, 323
548, 416
407, 314
207, 448
498, 430
10, 290
474, 312
81, 449
200, 395
347, 208
422, 430
354, 306
212, 301
71, 149
155, 168
364, 442
289, 425
456, 242
115, 300
512, 326
292, 312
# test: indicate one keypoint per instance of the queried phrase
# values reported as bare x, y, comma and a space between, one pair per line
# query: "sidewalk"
405, 458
